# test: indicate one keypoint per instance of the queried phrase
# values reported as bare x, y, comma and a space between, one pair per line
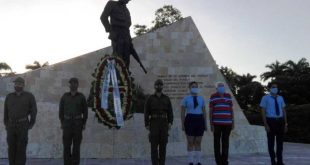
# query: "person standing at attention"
158, 119
222, 122
193, 117
275, 121
19, 106
73, 115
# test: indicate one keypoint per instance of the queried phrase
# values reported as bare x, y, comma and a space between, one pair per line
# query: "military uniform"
158, 115
118, 27
17, 109
73, 115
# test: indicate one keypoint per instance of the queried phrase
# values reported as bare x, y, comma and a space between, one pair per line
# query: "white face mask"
274, 90
221, 89
159, 87
195, 90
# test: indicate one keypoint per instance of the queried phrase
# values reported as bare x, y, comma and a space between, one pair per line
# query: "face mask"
18, 88
274, 90
221, 90
195, 90
158, 88
74, 86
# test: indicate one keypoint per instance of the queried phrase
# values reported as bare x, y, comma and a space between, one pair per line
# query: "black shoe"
198, 163
280, 163
191, 164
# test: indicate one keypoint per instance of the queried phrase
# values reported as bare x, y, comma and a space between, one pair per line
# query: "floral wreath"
107, 116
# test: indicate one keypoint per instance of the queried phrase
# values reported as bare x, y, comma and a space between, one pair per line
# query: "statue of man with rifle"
118, 29
112, 89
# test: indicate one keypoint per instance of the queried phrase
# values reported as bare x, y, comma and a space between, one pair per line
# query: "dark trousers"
72, 138
121, 43
221, 144
17, 139
158, 138
276, 133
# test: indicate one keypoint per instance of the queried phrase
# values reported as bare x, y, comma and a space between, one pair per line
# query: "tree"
293, 80
245, 79
230, 77
297, 69
36, 65
276, 69
140, 29
163, 16
247, 91
6, 67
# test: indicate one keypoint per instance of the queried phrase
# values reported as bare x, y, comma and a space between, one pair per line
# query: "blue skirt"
194, 125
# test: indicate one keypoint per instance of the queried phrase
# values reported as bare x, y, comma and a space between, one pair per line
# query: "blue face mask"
274, 90
195, 90
221, 90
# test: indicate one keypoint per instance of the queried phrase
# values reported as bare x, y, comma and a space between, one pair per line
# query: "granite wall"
176, 53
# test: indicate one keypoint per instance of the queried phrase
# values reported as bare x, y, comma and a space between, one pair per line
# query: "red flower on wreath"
107, 116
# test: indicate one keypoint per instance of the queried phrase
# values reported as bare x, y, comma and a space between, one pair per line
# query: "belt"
119, 27
275, 118
159, 116
72, 117
18, 120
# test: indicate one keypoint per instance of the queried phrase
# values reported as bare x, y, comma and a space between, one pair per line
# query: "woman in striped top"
193, 116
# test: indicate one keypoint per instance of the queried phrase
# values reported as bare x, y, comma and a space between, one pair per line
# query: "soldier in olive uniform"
118, 27
18, 106
158, 117
73, 115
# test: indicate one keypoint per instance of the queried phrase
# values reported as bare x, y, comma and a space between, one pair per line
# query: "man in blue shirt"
275, 121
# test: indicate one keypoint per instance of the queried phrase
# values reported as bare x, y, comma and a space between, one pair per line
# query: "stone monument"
176, 54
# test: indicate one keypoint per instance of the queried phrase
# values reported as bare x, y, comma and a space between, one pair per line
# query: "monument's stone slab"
176, 53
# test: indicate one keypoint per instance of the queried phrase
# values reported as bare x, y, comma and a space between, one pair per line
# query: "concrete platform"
294, 154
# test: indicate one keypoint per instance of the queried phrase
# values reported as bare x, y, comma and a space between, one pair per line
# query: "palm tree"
297, 69
276, 70
246, 90
245, 79
5, 66
36, 65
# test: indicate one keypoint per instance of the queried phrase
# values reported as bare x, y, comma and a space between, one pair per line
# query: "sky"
244, 35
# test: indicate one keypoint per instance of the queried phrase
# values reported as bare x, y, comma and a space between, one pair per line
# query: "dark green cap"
73, 79
20, 80
159, 82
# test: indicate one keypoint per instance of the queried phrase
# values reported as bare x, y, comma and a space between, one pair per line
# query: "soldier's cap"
159, 82
19, 80
73, 80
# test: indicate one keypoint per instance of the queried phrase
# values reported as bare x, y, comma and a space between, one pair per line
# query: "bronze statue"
118, 29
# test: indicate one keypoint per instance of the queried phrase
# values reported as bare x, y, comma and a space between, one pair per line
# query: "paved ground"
294, 154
